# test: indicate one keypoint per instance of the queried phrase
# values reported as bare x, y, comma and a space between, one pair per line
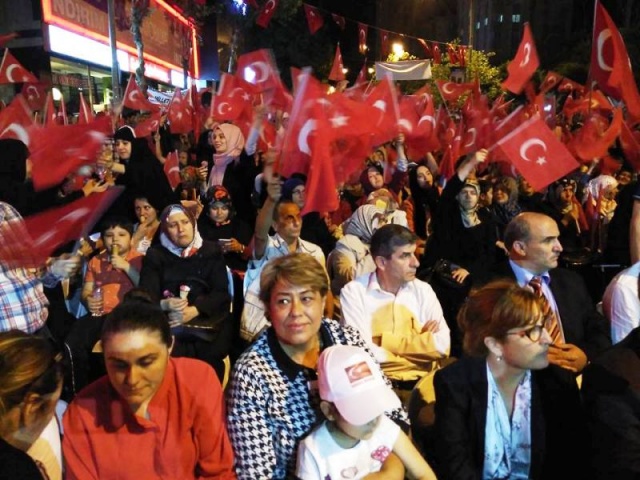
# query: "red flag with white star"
314, 18
172, 169
537, 153
337, 69
362, 37
268, 9
134, 99
35, 94
15, 120
11, 71
524, 64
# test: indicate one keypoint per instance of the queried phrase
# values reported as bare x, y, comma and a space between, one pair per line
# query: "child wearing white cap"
356, 438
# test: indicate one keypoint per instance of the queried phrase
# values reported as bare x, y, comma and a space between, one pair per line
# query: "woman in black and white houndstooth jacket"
273, 399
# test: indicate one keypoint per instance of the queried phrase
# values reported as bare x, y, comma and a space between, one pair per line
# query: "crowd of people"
419, 331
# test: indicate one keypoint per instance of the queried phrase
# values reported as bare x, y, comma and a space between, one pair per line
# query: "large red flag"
29, 243
596, 136
362, 37
85, 115
259, 69
134, 99
537, 153
610, 64
149, 125
551, 80
337, 69
35, 94
268, 9
524, 64
59, 150
180, 113
314, 18
233, 99
452, 91
15, 120
11, 71
172, 169
384, 120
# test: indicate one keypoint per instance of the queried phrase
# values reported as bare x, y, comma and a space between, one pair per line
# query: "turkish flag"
232, 99
306, 147
630, 146
172, 169
425, 46
15, 120
409, 108
452, 152
537, 153
268, 9
268, 136
50, 112
422, 138
384, 119
362, 37
610, 64
337, 69
259, 69
437, 55
551, 80
29, 243
452, 91
593, 100
314, 18
149, 125
462, 55
86, 114
134, 99
384, 43
59, 150
62, 114
452, 51
339, 19
568, 85
12, 72
180, 113
445, 127
524, 64
35, 94
596, 136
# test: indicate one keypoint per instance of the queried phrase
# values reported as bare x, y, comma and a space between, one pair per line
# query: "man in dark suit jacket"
611, 392
532, 241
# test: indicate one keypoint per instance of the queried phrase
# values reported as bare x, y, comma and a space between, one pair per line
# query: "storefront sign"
162, 31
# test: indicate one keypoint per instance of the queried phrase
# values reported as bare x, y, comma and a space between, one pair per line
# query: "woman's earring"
498, 358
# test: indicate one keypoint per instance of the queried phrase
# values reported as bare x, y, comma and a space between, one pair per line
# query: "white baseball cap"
350, 378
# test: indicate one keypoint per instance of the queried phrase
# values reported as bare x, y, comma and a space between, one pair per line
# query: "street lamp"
398, 49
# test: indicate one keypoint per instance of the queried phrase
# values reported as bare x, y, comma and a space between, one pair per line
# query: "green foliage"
478, 65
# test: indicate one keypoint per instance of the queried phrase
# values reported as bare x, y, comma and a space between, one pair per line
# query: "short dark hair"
389, 237
518, 229
112, 222
296, 269
276, 210
135, 314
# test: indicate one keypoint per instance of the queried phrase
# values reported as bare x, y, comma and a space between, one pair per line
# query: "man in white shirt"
285, 218
400, 318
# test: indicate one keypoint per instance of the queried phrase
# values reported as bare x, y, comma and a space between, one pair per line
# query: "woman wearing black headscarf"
140, 172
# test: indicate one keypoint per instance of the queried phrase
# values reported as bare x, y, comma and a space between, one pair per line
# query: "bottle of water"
97, 295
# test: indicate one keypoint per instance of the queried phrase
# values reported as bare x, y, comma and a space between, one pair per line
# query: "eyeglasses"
533, 333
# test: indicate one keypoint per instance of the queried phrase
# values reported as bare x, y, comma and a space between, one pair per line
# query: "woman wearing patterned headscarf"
187, 275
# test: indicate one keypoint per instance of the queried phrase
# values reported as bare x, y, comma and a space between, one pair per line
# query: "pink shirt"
184, 438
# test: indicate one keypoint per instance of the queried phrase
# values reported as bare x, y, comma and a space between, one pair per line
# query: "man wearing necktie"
578, 331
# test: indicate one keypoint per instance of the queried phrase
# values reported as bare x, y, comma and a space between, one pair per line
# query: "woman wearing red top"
152, 416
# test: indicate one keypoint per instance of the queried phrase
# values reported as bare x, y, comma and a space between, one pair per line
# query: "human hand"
568, 356
174, 304
119, 263
65, 266
94, 186
95, 305
460, 274
480, 156
432, 326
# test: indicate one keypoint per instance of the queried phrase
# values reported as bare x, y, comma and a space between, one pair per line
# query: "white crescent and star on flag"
524, 149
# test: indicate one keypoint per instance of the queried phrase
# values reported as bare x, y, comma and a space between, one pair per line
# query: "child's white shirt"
321, 458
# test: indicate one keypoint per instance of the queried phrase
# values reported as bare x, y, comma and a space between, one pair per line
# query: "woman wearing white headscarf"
187, 275
600, 206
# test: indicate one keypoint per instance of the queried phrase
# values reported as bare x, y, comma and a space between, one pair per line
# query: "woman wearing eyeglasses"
501, 410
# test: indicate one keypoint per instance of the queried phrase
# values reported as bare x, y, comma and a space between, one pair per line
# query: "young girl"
357, 438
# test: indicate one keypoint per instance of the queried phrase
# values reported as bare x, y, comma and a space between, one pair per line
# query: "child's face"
359, 432
117, 236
